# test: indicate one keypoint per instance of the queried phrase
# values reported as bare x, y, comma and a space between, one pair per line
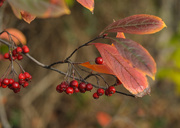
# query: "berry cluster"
108, 92
74, 87
24, 78
16, 53
1, 2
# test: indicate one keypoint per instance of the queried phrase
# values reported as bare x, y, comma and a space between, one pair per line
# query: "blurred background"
51, 40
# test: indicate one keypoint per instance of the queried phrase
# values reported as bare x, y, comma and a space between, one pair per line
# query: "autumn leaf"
17, 36
138, 56
89, 4
101, 68
136, 24
132, 79
27, 9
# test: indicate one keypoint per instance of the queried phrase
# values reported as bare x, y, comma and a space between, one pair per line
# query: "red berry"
25, 49
63, 86
76, 90
107, 93
82, 86
95, 96
6, 56
21, 82
69, 90
99, 60
74, 83
18, 49
11, 81
112, 90
15, 85
21, 76
19, 57
82, 90
14, 52
16, 90
100, 92
89, 87
59, 89
25, 84
5, 81
3, 85
27, 75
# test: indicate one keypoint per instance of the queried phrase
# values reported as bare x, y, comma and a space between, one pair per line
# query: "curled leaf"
40, 8
16, 35
89, 4
136, 24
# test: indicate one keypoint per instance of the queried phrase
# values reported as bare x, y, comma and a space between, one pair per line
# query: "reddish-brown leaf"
102, 68
89, 4
103, 118
137, 24
27, 16
17, 36
38, 8
138, 56
133, 80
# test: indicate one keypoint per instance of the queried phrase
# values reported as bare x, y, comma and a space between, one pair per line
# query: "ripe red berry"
6, 56
21, 82
99, 60
89, 87
5, 81
11, 81
21, 76
82, 90
111, 89
63, 86
3, 85
16, 90
25, 49
107, 92
69, 90
59, 89
19, 57
76, 90
100, 92
25, 84
14, 52
27, 75
82, 86
18, 49
74, 83
95, 96
15, 85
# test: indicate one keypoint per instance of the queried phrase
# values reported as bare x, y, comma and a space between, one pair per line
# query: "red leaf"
98, 68
133, 80
103, 118
89, 4
17, 36
138, 56
137, 24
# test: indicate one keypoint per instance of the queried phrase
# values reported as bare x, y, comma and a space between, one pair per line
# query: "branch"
65, 61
